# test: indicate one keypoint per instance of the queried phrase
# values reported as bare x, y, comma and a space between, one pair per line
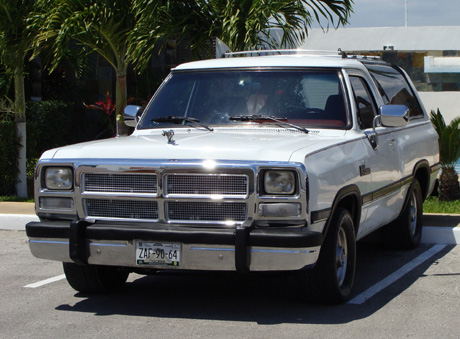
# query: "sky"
388, 13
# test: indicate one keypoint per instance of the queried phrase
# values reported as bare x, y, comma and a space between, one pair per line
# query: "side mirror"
394, 115
132, 114
390, 116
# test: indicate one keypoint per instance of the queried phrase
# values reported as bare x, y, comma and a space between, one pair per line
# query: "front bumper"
242, 249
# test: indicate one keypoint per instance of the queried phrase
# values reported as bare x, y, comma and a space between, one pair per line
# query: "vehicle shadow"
263, 299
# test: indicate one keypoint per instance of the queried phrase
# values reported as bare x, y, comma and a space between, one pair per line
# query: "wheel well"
348, 198
421, 173
350, 203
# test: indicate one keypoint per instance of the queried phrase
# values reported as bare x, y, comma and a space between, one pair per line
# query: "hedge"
9, 149
49, 125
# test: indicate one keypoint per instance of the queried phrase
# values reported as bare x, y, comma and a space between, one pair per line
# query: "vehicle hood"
255, 144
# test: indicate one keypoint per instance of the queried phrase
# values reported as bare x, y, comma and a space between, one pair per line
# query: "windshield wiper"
180, 119
270, 118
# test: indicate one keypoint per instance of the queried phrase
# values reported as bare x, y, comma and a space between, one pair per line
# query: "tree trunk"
449, 188
20, 120
121, 94
35, 78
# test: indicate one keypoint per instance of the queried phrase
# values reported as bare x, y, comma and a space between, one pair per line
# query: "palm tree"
449, 143
240, 24
103, 26
15, 42
126, 32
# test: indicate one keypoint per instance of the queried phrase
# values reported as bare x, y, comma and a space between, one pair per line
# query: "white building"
431, 56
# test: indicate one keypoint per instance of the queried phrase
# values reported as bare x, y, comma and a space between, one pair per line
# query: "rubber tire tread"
320, 283
397, 234
94, 278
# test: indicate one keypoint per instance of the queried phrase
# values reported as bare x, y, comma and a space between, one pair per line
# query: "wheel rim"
341, 256
413, 214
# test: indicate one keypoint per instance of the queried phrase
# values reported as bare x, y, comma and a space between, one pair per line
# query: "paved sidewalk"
7, 207
437, 229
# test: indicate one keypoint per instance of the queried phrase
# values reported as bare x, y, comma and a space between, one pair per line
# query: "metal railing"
305, 52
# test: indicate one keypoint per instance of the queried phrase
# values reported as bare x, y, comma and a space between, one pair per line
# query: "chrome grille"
125, 209
206, 184
206, 211
121, 183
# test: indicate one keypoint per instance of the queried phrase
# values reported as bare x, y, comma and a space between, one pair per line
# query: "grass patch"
433, 205
14, 198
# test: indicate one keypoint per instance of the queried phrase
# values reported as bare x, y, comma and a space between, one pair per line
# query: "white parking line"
46, 281
373, 290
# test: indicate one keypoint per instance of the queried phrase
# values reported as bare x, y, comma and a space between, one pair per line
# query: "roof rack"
338, 54
262, 52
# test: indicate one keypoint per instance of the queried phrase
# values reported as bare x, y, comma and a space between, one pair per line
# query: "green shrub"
49, 125
9, 149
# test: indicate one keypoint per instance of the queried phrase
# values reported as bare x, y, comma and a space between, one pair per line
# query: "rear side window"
394, 88
364, 102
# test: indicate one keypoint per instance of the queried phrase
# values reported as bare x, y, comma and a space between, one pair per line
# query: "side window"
364, 102
394, 88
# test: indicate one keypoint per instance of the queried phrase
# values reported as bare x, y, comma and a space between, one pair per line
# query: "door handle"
391, 142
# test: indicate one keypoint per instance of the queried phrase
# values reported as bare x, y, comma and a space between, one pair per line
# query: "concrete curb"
15, 222
441, 229
441, 235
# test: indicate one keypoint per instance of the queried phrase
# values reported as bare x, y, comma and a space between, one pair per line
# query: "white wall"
430, 38
433, 38
447, 102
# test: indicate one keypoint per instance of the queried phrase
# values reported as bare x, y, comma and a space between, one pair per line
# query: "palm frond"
240, 24
15, 37
449, 138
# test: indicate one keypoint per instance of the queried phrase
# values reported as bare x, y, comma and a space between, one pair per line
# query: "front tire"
94, 278
331, 280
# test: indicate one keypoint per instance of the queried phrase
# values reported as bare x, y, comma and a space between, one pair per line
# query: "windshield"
310, 98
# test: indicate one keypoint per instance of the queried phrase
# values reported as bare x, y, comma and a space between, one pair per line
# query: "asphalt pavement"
397, 294
437, 229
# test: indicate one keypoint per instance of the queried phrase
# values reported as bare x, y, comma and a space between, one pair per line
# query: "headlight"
58, 178
279, 182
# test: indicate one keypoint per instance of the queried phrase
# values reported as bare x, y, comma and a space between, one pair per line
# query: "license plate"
157, 253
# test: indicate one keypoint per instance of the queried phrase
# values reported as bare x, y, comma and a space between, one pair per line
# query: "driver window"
364, 102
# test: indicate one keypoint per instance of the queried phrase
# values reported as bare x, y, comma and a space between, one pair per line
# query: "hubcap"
341, 256
413, 214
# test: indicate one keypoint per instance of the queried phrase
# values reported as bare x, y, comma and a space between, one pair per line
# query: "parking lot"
398, 294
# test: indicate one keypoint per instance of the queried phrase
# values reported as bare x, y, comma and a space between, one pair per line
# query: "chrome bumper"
244, 249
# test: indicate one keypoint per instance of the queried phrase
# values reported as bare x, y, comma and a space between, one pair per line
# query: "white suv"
247, 164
